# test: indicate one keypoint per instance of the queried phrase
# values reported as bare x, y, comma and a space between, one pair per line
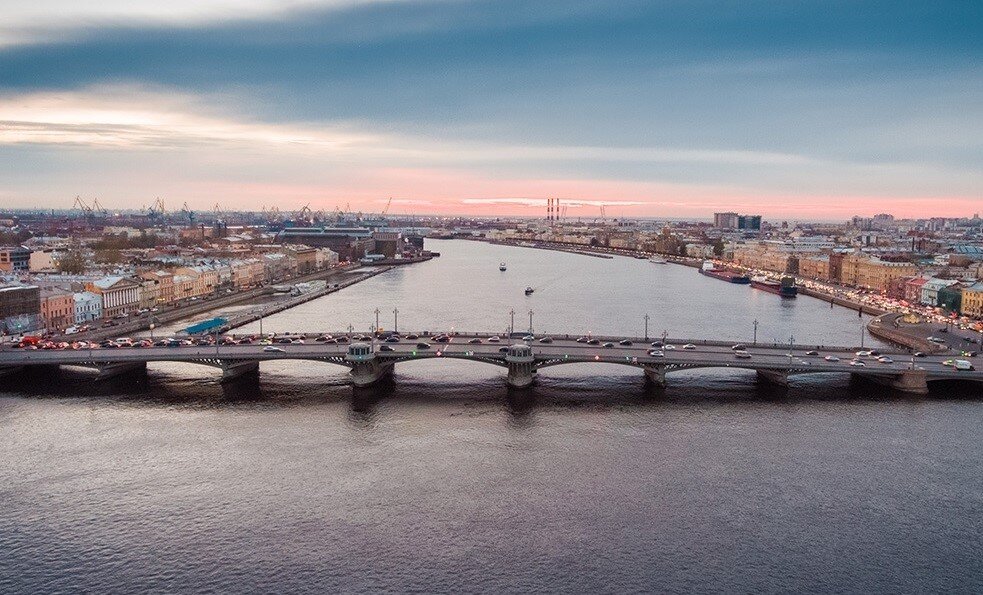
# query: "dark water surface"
446, 481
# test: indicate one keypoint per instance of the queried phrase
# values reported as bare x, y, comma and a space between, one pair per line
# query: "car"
608, 345
546, 340
739, 347
442, 339
689, 347
668, 347
936, 340
863, 353
593, 342
857, 363
422, 345
283, 340
919, 354
412, 337
583, 339
875, 353
885, 360
656, 344
625, 343
503, 349
494, 339
656, 353
322, 338
331, 341
272, 349
740, 354
949, 362
943, 330
386, 348
529, 338
812, 353
475, 341
392, 339
963, 365
342, 340
831, 358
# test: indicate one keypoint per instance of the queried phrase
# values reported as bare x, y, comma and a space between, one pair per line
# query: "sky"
657, 108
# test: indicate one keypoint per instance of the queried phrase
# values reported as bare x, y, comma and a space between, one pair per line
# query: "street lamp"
530, 322
396, 320
646, 327
511, 322
376, 321
755, 324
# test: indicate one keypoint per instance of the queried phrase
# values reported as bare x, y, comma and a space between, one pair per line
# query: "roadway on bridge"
762, 357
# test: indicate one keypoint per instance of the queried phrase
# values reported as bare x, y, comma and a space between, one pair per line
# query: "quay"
371, 360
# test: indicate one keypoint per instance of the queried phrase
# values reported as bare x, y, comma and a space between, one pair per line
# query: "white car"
689, 346
669, 347
831, 358
863, 354
742, 355
656, 353
885, 360
857, 363
272, 349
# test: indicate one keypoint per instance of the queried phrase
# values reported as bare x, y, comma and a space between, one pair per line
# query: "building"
20, 309
156, 289
749, 222
931, 289
88, 306
972, 300
119, 295
15, 259
387, 243
913, 290
306, 258
351, 243
43, 261
725, 220
814, 267
57, 308
861, 270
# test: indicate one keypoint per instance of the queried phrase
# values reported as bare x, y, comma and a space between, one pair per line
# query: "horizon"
478, 108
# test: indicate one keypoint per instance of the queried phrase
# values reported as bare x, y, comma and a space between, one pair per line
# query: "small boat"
658, 260
529, 290
501, 267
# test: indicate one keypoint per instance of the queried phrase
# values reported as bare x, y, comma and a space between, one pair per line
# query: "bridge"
373, 360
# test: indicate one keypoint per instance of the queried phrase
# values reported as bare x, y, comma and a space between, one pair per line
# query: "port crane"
82, 206
189, 214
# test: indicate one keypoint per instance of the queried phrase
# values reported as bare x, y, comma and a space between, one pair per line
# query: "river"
447, 482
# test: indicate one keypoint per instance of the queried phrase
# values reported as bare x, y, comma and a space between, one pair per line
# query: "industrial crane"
80, 204
98, 208
189, 214
385, 211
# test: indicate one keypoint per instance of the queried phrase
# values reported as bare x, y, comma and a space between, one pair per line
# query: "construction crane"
604, 217
189, 214
385, 211
99, 209
156, 210
80, 204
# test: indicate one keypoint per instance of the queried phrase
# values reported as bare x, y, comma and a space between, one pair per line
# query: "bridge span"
373, 360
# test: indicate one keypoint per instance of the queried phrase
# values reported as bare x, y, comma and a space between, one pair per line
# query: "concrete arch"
433, 355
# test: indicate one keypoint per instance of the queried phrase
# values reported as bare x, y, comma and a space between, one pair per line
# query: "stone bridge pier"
522, 365
236, 369
914, 382
366, 369
656, 376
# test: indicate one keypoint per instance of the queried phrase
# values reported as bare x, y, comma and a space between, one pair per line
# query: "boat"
710, 270
529, 290
658, 260
785, 288
501, 267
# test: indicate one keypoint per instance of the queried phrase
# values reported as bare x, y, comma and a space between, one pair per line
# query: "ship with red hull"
710, 270
785, 288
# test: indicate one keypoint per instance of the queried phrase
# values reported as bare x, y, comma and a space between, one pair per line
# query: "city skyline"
479, 108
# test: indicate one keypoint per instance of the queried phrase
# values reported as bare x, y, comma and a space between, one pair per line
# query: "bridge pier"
107, 371
522, 367
656, 376
366, 369
913, 382
775, 377
233, 370
8, 370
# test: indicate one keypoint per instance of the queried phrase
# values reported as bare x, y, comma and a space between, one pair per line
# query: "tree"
718, 248
109, 256
72, 263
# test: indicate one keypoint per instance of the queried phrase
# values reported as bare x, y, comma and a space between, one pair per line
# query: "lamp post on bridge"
646, 327
376, 321
396, 320
665, 336
755, 324
511, 322
530, 322
791, 343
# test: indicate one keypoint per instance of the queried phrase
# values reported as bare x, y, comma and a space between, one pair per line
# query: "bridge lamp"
597, 357
414, 353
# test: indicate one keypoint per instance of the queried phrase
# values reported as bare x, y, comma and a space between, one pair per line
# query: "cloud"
540, 203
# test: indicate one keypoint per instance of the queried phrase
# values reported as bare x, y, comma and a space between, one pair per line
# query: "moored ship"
710, 270
785, 288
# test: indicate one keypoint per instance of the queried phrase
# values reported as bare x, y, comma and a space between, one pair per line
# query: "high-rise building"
725, 220
749, 222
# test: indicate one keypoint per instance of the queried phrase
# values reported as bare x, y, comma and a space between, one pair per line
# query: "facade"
814, 267
951, 297
749, 222
88, 306
972, 300
119, 295
247, 273
15, 259
351, 243
725, 220
57, 308
43, 261
931, 289
765, 257
20, 309
860, 270
913, 290
156, 289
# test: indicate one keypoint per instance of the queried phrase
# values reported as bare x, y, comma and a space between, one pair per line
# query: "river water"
446, 481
